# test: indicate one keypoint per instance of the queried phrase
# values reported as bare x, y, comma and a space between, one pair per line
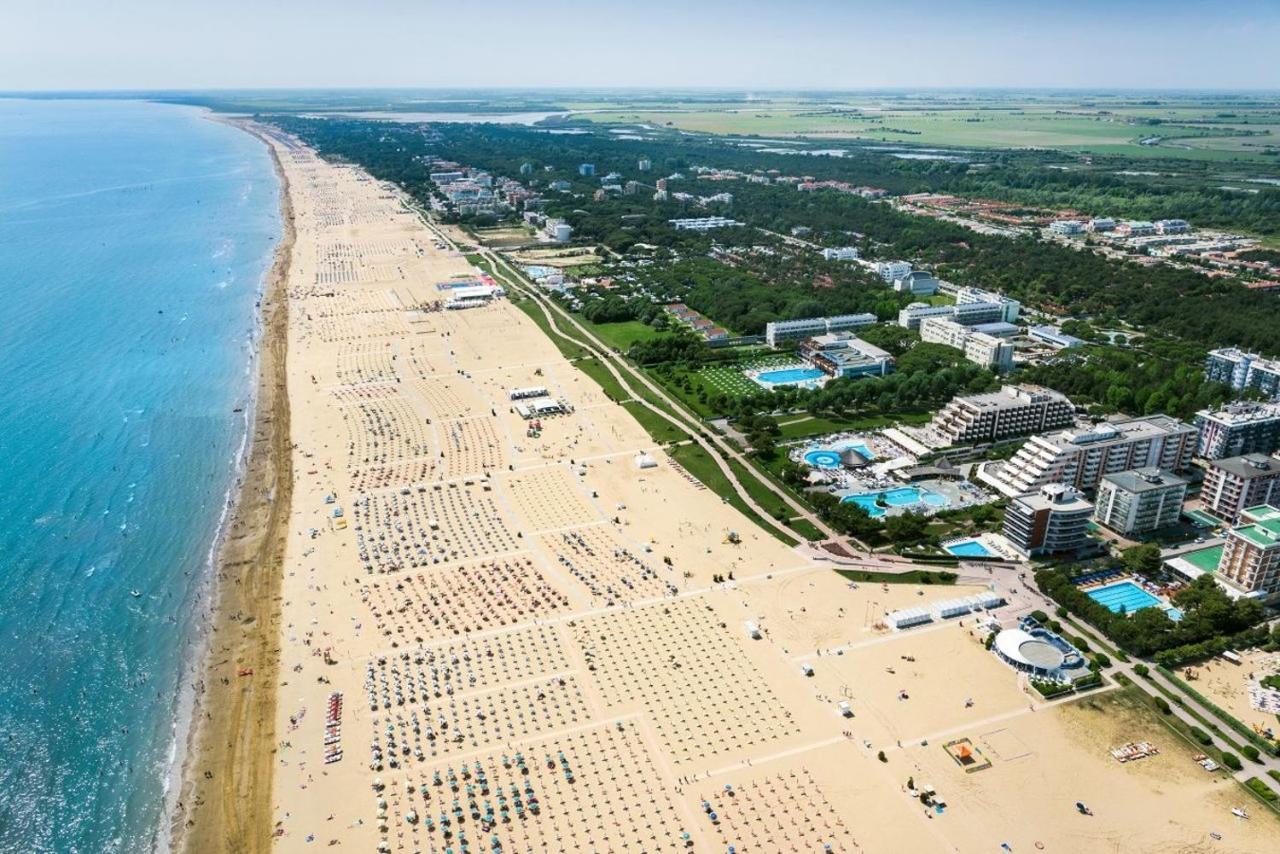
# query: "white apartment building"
781, 331
1139, 501
978, 347
916, 283
1009, 307
891, 270
1052, 520
1235, 483
1066, 227
1011, 411
1080, 458
844, 253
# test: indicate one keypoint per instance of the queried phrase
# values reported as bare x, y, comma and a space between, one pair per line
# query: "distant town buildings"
1080, 458
1009, 307
1140, 501
1242, 371
967, 314
1172, 226
844, 253
891, 270
778, 332
1054, 519
1239, 428
526, 168
705, 223
645, 164
586, 170
841, 354
1010, 412
978, 347
1102, 224
1066, 227
1232, 484
558, 230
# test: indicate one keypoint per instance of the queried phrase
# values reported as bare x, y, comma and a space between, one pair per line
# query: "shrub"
1061, 612
1102, 660
1142, 670
1262, 790
1041, 617
1202, 737
882, 757
1081, 643
1163, 705
1250, 752
1231, 761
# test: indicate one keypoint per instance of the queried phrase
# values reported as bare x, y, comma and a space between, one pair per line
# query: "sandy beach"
224, 794
503, 634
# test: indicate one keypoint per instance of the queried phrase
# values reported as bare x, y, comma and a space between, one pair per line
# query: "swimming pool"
789, 376
968, 548
829, 458
1173, 613
1124, 596
902, 496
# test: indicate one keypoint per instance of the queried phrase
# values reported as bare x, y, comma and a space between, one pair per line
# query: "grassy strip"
1201, 719
697, 462
817, 425
806, 529
1230, 720
598, 371
662, 430
915, 576
760, 492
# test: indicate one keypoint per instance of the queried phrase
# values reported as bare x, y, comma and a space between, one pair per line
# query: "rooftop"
1144, 479
1248, 466
1244, 412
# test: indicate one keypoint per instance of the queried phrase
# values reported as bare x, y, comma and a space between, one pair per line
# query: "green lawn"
698, 463
620, 336
597, 370
916, 576
662, 430
804, 426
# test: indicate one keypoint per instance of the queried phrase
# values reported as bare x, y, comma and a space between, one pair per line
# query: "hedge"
1231, 761
1262, 790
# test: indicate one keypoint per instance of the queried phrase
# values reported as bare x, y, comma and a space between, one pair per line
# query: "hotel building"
978, 347
1246, 427
1080, 458
1232, 484
1052, 520
1140, 501
1012, 411
1251, 554
781, 331
1242, 371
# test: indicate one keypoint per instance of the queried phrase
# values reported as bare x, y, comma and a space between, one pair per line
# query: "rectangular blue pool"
1123, 596
968, 548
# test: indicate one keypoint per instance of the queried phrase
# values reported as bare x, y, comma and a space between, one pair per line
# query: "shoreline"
222, 798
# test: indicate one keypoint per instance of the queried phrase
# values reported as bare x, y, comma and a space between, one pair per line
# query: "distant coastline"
223, 800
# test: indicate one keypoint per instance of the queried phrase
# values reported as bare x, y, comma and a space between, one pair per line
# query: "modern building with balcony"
1052, 520
1005, 414
1246, 427
1137, 502
1235, 483
1241, 371
1251, 555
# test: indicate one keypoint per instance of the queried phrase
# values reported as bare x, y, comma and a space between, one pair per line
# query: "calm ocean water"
133, 240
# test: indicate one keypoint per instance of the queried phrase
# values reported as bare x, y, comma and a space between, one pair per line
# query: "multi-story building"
968, 314
1239, 428
526, 168
645, 164
1242, 371
781, 331
1139, 501
704, 223
586, 170
1251, 555
1137, 228
891, 270
558, 230
978, 347
1010, 412
1009, 307
916, 283
1099, 224
1052, 520
1080, 458
1066, 227
844, 253
1232, 484
1054, 337
841, 354
1172, 226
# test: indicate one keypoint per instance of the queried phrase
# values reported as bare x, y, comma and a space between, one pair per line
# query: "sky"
747, 44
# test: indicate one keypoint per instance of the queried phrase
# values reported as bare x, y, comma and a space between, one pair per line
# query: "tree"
1143, 559
906, 528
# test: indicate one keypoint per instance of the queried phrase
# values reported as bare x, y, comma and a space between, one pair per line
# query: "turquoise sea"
133, 242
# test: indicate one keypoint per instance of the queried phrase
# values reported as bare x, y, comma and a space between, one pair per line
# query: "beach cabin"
845, 710
753, 631
908, 617
806, 669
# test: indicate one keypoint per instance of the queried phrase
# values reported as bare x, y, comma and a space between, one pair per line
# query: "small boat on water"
135, 593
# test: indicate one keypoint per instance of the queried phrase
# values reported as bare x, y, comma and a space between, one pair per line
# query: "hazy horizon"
146, 45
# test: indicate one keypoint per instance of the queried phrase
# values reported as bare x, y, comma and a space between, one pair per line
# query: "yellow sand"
533, 617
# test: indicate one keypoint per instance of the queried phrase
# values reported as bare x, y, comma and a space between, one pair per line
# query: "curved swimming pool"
901, 496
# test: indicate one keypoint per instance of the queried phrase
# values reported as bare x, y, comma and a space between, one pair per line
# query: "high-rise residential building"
586, 170
1052, 520
526, 168
1012, 411
1139, 501
1245, 427
1251, 555
1242, 371
1232, 484
645, 164
1080, 458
